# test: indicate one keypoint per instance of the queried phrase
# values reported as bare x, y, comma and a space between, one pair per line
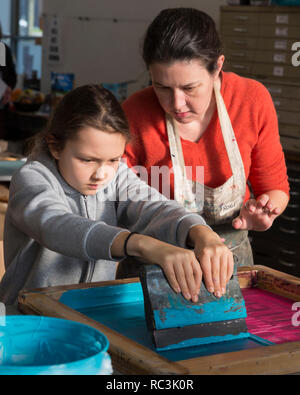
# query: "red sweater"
255, 125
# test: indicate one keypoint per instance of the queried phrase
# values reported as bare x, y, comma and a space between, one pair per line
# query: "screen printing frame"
130, 357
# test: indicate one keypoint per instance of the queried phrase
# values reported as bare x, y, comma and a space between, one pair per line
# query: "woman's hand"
216, 260
257, 214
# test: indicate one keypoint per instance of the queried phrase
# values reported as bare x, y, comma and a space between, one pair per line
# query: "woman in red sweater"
215, 132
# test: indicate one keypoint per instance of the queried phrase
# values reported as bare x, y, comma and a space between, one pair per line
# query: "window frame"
14, 35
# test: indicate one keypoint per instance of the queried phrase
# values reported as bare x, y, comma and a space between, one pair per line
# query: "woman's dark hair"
182, 34
86, 106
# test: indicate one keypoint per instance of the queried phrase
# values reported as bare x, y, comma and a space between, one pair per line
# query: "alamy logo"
2, 54
296, 55
296, 316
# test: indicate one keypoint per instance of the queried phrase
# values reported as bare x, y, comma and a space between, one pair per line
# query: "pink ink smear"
270, 316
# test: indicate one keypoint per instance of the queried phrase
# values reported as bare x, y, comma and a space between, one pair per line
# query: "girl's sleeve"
143, 209
268, 169
38, 210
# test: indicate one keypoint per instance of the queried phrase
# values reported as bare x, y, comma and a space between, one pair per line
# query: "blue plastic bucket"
34, 345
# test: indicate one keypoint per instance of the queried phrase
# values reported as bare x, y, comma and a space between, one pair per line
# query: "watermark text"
296, 316
296, 55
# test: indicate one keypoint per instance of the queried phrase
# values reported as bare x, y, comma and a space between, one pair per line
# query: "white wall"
101, 50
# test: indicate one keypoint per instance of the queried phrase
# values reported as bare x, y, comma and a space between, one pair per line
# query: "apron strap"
182, 190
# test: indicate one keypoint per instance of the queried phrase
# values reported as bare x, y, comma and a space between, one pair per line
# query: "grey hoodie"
56, 236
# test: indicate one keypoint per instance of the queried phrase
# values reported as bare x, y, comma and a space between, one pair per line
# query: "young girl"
75, 210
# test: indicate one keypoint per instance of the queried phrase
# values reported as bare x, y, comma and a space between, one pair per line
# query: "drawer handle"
288, 252
239, 42
238, 66
294, 219
240, 29
240, 54
292, 205
294, 193
293, 179
242, 17
288, 231
275, 90
284, 263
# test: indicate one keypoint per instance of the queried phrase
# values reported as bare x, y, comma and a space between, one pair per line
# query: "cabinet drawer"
292, 212
281, 90
240, 55
240, 18
278, 264
290, 144
270, 244
276, 253
294, 180
239, 67
240, 30
282, 233
280, 44
240, 42
277, 248
289, 130
275, 57
294, 196
248, 55
288, 225
279, 19
290, 118
277, 71
282, 103
279, 31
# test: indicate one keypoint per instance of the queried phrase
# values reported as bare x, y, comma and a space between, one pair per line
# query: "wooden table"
129, 356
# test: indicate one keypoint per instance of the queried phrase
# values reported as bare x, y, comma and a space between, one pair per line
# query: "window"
5, 20
20, 21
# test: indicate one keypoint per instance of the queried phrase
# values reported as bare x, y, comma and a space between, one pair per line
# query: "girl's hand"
257, 214
180, 265
181, 269
216, 260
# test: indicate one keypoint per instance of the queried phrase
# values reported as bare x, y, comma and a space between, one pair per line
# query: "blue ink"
121, 308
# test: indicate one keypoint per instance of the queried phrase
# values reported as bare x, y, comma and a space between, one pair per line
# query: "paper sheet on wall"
54, 53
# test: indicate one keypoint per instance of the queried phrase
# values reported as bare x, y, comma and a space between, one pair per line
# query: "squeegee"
176, 322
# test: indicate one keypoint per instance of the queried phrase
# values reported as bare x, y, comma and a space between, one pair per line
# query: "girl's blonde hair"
86, 106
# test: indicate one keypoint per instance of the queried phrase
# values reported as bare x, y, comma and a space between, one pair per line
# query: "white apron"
220, 205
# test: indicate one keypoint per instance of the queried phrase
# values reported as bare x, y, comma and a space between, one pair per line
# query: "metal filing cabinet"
258, 44
258, 40
279, 246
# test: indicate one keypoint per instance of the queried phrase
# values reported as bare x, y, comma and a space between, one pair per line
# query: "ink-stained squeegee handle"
164, 308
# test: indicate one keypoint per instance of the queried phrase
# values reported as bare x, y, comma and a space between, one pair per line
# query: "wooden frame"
129, 357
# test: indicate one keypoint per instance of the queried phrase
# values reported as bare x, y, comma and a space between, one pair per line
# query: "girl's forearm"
136, 246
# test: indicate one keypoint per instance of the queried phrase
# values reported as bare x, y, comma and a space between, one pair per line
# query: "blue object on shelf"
34, 345
119, 90
286, 2
62, 82
8, 167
